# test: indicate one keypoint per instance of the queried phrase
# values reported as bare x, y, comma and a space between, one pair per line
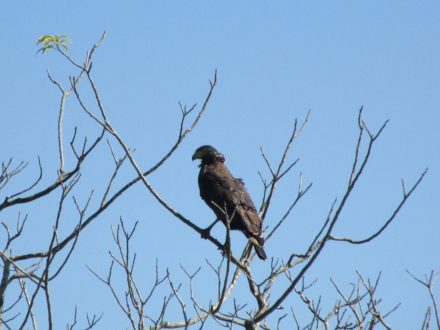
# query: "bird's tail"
258, 243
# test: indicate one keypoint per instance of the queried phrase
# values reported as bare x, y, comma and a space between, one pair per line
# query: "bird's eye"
220, 157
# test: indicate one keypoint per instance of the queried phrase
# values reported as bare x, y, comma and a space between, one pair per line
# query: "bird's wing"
231, 191
220, 188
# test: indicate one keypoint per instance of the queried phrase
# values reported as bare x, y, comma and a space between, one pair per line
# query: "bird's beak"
198, 154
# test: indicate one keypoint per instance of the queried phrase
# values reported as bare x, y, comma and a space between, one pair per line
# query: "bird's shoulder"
217, 175
219, 180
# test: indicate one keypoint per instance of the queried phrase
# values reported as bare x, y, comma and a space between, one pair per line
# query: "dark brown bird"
222, 192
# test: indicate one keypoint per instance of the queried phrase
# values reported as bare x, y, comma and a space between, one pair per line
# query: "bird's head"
208, 154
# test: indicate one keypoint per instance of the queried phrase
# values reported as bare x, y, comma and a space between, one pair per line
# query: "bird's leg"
207, 230
225, 250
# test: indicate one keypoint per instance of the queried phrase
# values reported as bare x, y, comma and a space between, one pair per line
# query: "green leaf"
52, 41
43, 39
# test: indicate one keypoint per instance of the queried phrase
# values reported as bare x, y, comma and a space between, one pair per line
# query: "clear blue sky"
275, 61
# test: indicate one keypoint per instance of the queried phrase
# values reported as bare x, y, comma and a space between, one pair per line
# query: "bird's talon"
206, 233
225, 251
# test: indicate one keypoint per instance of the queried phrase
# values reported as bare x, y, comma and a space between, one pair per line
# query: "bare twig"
390, 219
429, 283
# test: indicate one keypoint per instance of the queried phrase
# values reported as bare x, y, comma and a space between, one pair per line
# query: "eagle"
227, 197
